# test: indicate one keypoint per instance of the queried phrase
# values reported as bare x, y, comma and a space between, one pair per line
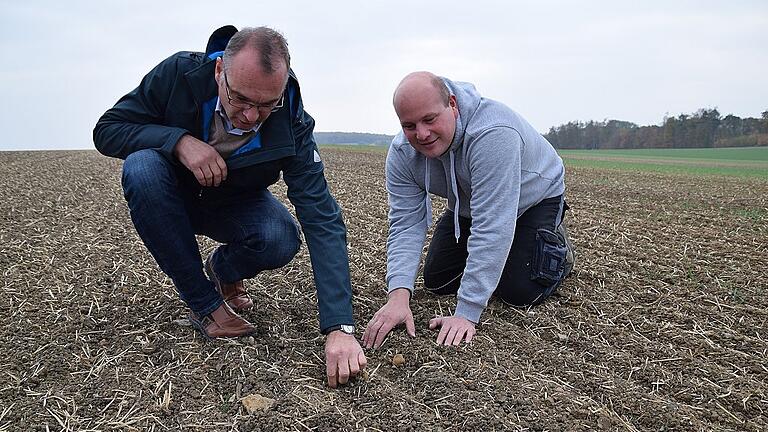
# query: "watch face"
348, 329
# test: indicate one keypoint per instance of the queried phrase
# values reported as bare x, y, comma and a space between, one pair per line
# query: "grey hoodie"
498, 166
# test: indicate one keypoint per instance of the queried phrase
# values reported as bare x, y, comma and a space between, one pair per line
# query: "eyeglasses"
272, 107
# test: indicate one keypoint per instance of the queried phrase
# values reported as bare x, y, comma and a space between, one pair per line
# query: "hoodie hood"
468, 100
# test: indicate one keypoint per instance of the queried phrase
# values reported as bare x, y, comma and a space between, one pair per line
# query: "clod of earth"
257, 402
398, 360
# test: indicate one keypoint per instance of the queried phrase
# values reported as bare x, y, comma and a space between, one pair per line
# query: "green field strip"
687, 169
736, 154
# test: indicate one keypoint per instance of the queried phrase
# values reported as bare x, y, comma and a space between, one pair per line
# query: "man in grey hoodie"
502, 234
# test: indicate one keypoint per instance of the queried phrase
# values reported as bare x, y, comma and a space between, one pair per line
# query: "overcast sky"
66, 62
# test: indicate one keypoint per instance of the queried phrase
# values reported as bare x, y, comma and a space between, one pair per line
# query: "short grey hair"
270, 43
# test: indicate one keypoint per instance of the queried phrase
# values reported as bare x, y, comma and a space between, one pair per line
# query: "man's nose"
255, 114
422, 132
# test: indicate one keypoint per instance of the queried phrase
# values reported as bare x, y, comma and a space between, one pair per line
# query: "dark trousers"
535, 266
168, 208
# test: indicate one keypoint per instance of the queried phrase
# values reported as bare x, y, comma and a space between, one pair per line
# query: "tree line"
704, 128
355, 138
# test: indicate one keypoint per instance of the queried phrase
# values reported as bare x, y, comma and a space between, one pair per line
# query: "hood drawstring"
456, 228
428, 201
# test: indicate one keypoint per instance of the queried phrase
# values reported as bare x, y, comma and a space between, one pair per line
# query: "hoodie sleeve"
494, 164
407, 223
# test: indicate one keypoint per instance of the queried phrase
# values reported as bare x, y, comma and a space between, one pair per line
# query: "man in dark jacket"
203, 136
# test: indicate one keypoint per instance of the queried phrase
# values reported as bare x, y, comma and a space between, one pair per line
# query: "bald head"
421, 83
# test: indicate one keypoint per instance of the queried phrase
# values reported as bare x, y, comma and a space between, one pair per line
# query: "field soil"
662, 326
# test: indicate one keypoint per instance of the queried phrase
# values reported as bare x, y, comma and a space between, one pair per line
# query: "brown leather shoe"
223, 322
234, 293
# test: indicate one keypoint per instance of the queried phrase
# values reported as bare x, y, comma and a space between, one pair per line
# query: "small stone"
364, 375
257, 402
250, 340
562, 337
398, 360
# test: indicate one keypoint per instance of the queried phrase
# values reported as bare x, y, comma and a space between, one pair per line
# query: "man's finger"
199, 176
205, 173
216, 171
441, 336
382, 334
331, 369
354, 367
361, 360
369, 335
343, 371
208, 176
458, 337
370, 330
470, 334
222, 167
435, 322
410, 327
451, 335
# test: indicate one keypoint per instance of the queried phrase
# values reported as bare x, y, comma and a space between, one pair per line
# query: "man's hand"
395, 312
453, 329
343, 357
202, 160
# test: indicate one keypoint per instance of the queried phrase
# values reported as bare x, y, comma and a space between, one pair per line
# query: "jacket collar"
201, 81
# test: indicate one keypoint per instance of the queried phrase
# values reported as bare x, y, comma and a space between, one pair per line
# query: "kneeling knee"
145, 171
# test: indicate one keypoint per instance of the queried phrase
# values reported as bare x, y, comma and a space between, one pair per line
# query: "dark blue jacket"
178, 97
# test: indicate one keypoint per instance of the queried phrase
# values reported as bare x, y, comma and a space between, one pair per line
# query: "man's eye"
430, 120
408, 127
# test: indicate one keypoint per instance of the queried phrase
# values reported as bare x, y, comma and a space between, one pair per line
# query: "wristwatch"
345, 328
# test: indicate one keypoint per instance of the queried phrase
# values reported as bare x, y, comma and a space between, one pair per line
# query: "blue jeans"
168, 207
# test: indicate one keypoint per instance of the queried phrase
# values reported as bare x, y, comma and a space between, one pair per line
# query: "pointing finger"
382, 334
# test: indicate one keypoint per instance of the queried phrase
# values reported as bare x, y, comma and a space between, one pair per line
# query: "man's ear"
219, 68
